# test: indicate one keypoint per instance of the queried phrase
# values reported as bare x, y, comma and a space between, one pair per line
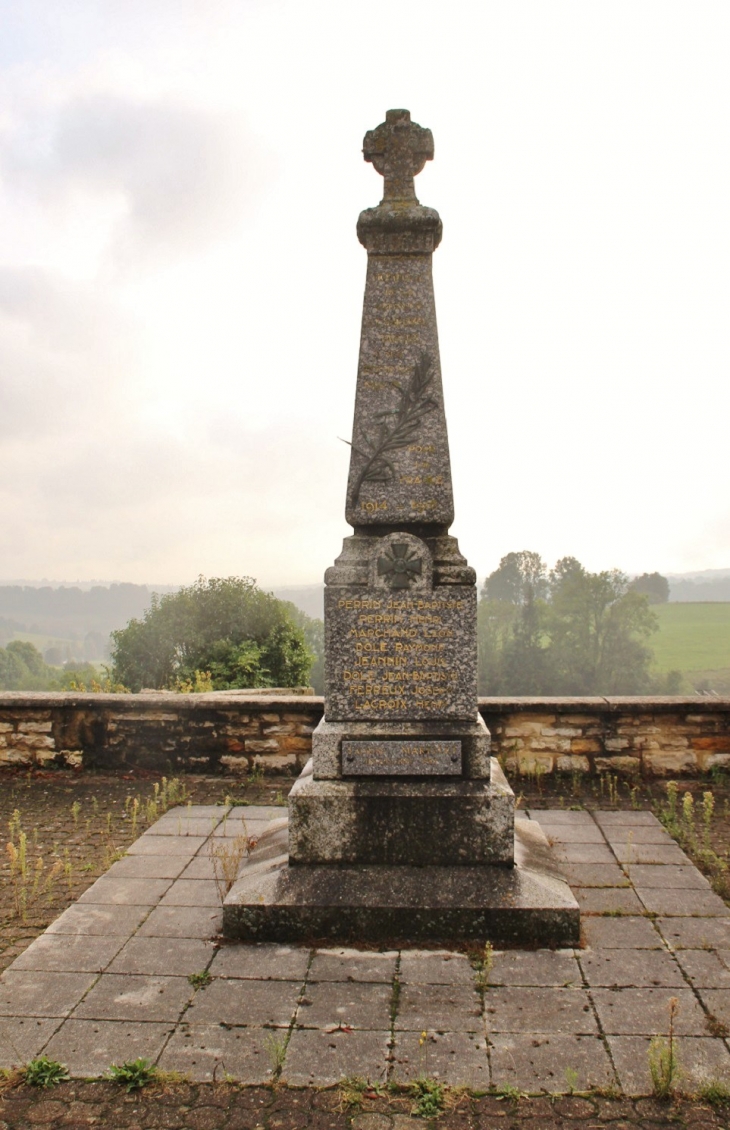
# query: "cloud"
177, 177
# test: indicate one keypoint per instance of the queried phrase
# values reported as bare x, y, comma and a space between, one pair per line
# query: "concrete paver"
353, 965
459, 1057
435, 968
644, 1012
89, 1047
324, 1058
611, 968
517, 1008
329, 1004
250, 1003
132, 996
211, 1052
623, 932
552, 1063
700, 1060
535, 967
109, 980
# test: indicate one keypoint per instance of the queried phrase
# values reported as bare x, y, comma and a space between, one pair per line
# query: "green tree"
653, 586
520, 577
225, 625
22, 668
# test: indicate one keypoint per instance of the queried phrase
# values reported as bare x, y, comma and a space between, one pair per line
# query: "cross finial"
398, 148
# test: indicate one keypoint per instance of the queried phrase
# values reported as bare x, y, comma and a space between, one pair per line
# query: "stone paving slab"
108, 981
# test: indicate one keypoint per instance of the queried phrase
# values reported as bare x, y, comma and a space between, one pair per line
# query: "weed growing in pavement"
483, 965
44, 1072
714, 1092
227, 854
134, 1074
275, 1047
200, 980
571, 1080
682, 824
429, 1097
354, 1089
663, 1060
510, 1092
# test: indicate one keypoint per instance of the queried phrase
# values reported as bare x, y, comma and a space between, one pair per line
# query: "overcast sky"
181, 283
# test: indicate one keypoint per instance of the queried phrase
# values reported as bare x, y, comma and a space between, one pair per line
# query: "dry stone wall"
232, 734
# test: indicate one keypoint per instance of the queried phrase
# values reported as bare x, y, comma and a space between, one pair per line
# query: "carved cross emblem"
400, 565
398, 149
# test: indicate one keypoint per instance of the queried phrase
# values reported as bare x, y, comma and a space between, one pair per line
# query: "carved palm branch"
396, 428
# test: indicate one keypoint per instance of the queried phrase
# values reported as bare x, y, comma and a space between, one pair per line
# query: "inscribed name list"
398, 656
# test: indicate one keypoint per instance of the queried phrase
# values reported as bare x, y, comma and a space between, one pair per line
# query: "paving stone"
198, 811
97, 919
38, 993
332, 1003
695, 933
535, 967
682, 903
261, 962
251, 1003
147, 867
435, 967
644, 1012
704, 968
192, 892
459, 1058
167, 845
625, 932
89, 1047
324, 1058
200, 867
639, 968
128, 996
649, 853
717, 1002
371, 1120
170, 825
70, 953
182, 922
583, 833
549, 1062
624, 834
125, 892
539, 1010
561, 816
699, 1059
583, 853
661, 876
441, 1008
594, 875
352, 965
634, 818
212, 1052
22, 1038
608, 900
160, 956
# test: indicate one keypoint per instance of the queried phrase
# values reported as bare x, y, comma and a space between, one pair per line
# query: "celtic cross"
398, 150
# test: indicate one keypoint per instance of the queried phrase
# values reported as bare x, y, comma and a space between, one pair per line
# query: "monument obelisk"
401, 826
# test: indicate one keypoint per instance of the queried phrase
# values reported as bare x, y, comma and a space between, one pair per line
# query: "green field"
692, 637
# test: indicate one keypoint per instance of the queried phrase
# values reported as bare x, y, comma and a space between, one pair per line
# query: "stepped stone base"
274, 900
441, 822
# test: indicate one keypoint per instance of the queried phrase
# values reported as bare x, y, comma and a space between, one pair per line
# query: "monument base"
278, 902
442, 822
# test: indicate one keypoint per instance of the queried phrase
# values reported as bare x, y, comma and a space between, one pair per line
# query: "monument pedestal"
528, 903
402, 828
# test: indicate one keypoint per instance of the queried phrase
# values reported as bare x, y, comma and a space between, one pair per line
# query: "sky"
181, 283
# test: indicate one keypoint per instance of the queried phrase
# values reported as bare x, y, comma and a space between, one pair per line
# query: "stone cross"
398, 149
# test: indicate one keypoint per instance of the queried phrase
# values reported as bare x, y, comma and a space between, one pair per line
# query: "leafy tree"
22, 668
519, 578
225, 625
652, 585
573, 632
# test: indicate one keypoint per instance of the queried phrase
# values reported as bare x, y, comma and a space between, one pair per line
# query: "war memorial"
402, 825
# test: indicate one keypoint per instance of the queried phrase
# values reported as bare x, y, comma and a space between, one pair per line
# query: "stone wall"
233, 734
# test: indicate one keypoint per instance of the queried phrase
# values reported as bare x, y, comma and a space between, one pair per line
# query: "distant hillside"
685, 590
310, 598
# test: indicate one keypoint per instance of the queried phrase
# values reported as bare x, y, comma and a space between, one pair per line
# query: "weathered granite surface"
413, 822
328, 739
529, 902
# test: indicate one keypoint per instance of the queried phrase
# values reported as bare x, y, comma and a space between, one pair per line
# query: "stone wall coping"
562, 704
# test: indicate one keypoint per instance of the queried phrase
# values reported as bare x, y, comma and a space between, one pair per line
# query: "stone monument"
401, 826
